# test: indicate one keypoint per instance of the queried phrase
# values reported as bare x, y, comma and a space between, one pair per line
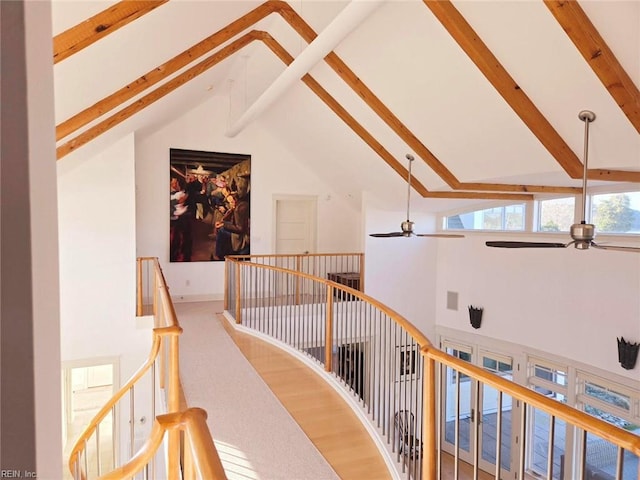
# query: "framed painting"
209, 205
408, 362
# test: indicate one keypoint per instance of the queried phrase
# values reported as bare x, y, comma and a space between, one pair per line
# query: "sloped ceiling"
486, 94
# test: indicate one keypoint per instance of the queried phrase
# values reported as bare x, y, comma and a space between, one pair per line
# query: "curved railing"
197, 455
389, 368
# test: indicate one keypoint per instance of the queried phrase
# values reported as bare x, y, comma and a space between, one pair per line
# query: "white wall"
274, 171
96, 201
567, 302
401, 272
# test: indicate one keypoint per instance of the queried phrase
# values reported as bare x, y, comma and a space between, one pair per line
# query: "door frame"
476, 353
312, 200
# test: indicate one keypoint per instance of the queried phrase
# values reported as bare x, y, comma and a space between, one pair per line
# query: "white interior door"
295, 229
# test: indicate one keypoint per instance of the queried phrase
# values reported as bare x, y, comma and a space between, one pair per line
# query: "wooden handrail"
158, 333
172, 331
613, 434
419, 337
193, 422
619, 437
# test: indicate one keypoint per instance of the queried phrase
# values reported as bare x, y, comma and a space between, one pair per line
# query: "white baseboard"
215, 297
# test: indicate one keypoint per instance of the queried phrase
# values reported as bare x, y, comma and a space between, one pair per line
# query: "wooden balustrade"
258, 312
202, 458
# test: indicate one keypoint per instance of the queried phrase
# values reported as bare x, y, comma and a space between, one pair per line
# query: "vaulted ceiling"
486, 94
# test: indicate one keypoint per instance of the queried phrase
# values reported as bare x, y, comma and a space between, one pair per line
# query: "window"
556, 215
510, 218
616, 405
551, 380
616, 212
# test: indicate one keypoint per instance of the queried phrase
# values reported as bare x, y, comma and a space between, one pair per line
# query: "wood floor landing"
322, 414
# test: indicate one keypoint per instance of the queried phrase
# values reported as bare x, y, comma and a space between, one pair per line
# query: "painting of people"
209, 205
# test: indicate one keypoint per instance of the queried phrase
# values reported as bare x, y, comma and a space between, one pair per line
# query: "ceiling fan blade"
618, 248
500, 244
439, 235
387, 235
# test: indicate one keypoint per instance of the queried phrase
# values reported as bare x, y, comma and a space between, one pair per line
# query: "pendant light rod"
411, 158
587, 116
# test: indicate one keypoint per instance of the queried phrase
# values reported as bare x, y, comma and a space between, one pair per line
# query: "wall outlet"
188, 282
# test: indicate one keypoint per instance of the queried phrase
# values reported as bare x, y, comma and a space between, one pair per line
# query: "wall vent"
452, 301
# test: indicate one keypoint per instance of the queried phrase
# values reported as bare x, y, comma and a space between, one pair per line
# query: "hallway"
256, 436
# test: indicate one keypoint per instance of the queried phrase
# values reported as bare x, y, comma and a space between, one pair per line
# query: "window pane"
514, 217
556, 215
550, 374
499, 218
616, 213
492, 219
539, 444
606, 395
601, 458
463, 402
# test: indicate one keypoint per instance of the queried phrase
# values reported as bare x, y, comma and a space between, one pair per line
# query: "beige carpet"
255, 436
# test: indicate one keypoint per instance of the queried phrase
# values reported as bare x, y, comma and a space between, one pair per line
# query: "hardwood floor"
325, 418
323, 415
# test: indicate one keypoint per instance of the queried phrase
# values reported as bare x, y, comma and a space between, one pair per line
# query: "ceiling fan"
583, 233
407, 225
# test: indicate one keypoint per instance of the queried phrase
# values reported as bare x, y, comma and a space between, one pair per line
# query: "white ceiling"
405, 56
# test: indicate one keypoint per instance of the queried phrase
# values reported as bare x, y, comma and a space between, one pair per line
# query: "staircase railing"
197, 455
391, 370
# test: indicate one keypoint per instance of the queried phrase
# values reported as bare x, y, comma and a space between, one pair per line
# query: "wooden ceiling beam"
613, 175
100, 25
163, 71
331, 102
333, 60
143, 102
481, 196
596, 52
505, 85
386, 115
520, 188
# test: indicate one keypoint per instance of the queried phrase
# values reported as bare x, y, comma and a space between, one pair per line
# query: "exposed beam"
100, 25
332, 59
613, 175
341, 26
331, 102
152, 97
596, 52
522, 197
496, 74
519, 188
345, 116
163, 71
385, 114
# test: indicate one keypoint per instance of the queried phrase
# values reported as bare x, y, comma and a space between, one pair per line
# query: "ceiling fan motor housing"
407, 227
583, 234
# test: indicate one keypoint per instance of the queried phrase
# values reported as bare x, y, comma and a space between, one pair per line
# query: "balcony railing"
190, 450
392, 371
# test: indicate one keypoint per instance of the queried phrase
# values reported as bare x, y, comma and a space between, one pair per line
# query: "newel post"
173, 398
139, 296
429, 457
328, 334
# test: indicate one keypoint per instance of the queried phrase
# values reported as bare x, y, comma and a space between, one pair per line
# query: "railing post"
361, 270
139, 300
238, 303
298, 269
429, 458
328, 334
173, 404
